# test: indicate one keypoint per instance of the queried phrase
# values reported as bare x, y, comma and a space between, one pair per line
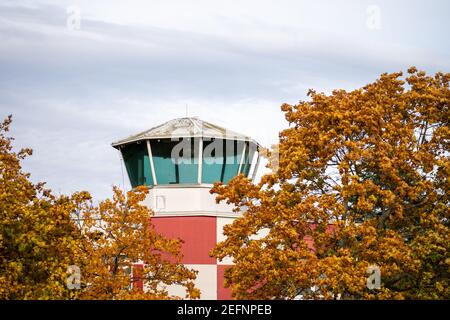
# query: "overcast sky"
132, 65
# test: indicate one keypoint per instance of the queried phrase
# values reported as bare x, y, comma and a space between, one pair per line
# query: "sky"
79, 75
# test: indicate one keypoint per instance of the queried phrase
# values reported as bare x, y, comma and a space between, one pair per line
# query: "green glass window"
220, 159
176, 162
232, 159
137, 164
213, 160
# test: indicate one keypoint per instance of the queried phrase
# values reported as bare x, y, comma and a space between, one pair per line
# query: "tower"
179, 161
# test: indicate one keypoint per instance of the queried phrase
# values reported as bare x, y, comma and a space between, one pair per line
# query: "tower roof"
185, 127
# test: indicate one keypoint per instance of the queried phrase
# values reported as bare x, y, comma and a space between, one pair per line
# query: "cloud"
134, 65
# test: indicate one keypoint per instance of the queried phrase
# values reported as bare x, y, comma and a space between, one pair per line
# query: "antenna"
186, 110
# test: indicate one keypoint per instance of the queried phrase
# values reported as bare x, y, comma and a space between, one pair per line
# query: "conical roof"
185, 127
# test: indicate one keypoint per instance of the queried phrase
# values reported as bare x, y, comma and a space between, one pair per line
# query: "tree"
124, 254
43, 238
362, 183
38, 240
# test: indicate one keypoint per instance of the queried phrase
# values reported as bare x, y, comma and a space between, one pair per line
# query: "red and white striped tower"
179, 161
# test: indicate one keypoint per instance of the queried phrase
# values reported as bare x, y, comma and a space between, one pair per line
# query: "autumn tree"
48, 243
124, 253
38, 240
362, 183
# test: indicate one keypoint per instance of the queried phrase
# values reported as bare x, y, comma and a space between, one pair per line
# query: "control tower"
179, 161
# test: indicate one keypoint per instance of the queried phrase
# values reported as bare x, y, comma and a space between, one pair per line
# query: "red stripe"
222, 292
198, 234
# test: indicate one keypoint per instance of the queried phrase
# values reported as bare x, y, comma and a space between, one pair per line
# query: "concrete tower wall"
179, 190
191, 214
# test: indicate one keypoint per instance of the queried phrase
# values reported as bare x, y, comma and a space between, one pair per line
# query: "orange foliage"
42, 235
374, 162
119, 234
